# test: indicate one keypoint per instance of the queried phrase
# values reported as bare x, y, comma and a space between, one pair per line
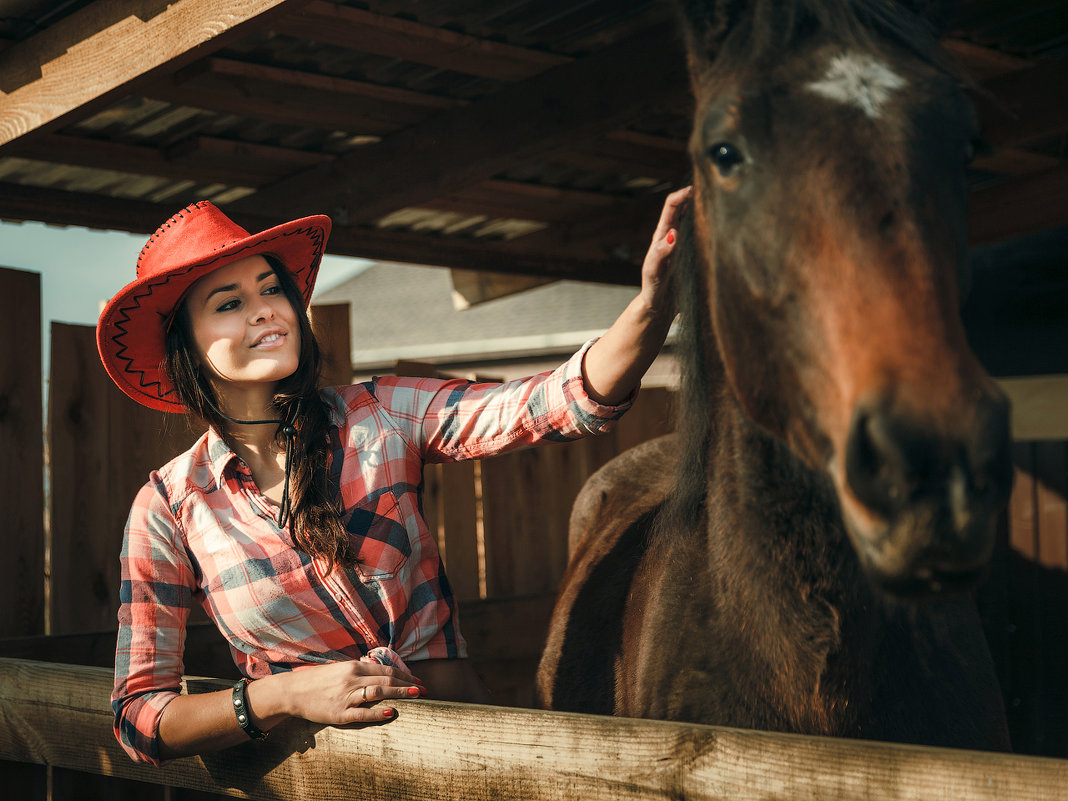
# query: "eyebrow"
232, 287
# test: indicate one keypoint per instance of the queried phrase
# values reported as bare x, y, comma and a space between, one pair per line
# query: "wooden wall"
22, 468
1024, 601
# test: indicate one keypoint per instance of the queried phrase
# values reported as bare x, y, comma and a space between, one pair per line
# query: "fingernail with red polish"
413, 691
671, 237
387, 713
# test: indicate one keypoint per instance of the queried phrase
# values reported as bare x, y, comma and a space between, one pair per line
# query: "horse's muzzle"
937, 494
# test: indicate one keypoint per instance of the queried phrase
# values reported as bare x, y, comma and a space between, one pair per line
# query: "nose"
261, 311
956, 479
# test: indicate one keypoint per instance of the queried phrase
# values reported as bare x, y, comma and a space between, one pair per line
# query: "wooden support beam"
297, 98
106, 49
982, 63
18, 202
1019, 206
356, 29
1015, 162
59, 715
204, 159
570, 103
513, 199
1020, 106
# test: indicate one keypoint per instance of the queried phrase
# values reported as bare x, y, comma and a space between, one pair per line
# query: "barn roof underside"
527, 136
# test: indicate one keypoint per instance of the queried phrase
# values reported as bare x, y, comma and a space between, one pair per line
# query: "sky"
80, 268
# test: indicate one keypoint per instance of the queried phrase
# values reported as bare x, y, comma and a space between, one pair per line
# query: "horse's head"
829, 153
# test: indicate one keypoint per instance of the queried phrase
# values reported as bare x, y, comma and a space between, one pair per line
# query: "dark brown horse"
797, 557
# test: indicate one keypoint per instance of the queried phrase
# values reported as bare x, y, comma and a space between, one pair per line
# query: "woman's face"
245, 330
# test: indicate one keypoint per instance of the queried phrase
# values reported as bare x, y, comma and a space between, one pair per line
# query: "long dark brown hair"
315, 517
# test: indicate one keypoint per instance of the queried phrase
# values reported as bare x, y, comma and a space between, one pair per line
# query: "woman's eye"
726, 158
272, 290
230, 305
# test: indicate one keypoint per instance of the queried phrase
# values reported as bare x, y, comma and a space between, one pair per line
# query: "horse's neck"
778, 549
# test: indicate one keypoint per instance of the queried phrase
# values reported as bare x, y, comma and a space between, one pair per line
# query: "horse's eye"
726, 157
975, 147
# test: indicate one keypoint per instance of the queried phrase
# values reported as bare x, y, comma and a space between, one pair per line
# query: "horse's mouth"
931, 583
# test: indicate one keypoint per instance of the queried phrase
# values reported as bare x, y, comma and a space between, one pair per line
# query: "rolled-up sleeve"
455, 419
155, 597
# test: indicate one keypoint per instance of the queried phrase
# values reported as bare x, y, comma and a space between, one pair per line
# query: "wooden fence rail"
59, 715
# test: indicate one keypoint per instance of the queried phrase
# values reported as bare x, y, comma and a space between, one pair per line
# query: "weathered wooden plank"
103, 50
568, 103
460, 529
394, 37
1021, 682
102, 447
1016, 107
331, 325
1051, 513
291, 97
651, 416
58, 715
22, 475
527, 499
86, 531
981, 62
431, 501
1018, 207
22, 581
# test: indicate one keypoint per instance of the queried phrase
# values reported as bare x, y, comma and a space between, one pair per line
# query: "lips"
270, 339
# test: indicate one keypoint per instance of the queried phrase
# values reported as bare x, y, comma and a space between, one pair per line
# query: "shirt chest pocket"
378, 537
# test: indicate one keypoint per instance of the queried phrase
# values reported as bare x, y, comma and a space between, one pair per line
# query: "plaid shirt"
201, 530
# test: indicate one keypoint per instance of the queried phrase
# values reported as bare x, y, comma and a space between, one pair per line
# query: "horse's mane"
694, 420
737, 35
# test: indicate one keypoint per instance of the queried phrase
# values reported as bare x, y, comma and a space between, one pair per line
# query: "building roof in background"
403, 311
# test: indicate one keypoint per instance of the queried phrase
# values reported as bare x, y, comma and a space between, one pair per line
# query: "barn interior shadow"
1024, 607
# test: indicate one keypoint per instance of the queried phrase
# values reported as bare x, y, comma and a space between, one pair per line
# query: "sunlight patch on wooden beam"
105, 49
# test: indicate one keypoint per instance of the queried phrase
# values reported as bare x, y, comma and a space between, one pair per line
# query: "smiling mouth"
267, 340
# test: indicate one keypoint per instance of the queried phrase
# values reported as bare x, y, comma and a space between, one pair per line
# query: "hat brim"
131, 333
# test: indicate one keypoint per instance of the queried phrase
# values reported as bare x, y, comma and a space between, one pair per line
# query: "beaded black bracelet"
244, 719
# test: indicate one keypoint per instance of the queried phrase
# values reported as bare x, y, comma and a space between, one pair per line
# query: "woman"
295, 519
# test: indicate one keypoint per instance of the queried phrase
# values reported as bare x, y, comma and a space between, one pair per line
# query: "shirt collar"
220, 455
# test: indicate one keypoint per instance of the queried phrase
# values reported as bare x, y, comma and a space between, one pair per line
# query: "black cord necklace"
289, 432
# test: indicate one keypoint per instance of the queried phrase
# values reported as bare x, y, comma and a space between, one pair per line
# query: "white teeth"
269, 338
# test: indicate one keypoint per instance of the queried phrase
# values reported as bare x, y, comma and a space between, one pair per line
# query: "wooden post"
22, 577
331, 325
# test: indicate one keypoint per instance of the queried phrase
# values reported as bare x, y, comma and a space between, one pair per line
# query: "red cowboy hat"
131, 334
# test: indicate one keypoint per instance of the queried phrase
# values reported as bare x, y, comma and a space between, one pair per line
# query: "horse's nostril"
892, 463
876, 464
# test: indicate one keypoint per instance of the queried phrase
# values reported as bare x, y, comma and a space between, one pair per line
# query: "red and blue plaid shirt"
200, 530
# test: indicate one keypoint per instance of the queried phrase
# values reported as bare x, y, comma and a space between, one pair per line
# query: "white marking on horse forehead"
860, 80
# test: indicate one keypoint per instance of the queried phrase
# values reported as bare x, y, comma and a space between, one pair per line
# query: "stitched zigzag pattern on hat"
153, 388
200, 204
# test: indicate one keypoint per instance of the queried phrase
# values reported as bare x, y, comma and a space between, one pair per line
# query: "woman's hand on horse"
346, 692
657, 283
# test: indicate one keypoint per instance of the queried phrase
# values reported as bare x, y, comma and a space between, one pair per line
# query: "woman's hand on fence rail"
335, 694
342, 693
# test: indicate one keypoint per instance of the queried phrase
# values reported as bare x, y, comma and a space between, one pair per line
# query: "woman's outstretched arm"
615, 364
